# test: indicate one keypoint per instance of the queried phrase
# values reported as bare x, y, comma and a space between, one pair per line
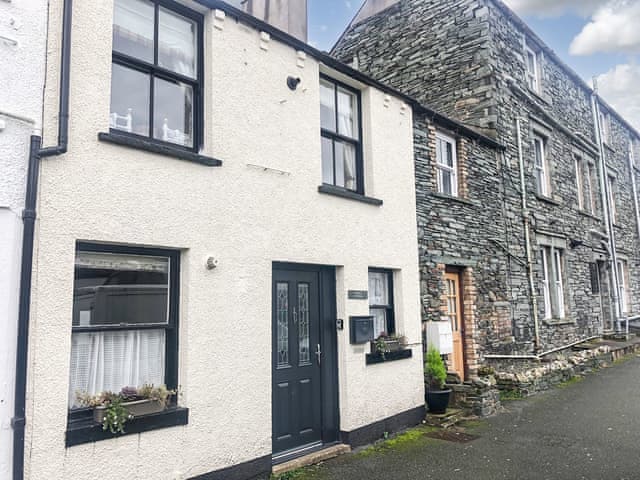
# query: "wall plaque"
358, 294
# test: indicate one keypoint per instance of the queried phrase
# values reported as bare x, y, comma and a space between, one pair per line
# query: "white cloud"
613, 28
619, 88
550, 8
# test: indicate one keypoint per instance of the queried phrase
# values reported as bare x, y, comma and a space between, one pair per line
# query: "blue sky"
598, 38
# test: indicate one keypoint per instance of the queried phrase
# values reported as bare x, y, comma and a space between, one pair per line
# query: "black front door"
297, 360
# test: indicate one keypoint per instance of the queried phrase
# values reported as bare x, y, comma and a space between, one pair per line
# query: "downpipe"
606, 208
527, 238
29, 215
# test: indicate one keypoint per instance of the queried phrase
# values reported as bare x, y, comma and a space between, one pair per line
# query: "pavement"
586, 429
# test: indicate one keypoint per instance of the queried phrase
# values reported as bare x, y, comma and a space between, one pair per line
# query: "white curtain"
347, 127
102, 361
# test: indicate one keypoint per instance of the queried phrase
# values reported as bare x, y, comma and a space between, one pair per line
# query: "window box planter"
136, 408
390, 345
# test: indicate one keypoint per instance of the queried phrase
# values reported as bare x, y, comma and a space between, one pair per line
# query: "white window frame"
605, 126
543, 182
579, 163
553, 282
557, 256
441, 163
622, 285
612, 198
546, 290
533, 77
590, 197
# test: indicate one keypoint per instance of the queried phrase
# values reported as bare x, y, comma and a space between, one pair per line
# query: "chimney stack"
287, 15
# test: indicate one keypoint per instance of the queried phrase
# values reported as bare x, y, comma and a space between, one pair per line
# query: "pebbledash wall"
466, 58
23, 27
262, 205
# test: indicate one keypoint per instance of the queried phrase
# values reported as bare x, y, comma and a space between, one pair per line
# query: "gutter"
527, 238
606, 208
36, 152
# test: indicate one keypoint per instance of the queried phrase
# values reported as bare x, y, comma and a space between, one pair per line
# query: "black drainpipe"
36, 152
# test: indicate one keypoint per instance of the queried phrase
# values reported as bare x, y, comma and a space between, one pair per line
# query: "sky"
596, 38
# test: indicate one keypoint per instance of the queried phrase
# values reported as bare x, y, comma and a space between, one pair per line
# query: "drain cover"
452, 436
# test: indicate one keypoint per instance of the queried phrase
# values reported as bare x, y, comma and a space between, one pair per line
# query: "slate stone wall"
466, 59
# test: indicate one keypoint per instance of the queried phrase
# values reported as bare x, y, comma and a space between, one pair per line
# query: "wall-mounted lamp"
212, 263
293, 82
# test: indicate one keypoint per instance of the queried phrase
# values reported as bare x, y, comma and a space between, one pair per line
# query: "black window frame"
156, 71
333, 136
390, 307
171, 328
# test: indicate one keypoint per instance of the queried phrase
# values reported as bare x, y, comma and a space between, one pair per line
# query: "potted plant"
385, 343
436, 396
112, 410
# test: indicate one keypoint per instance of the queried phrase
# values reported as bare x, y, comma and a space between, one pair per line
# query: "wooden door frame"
459, 272
329, 380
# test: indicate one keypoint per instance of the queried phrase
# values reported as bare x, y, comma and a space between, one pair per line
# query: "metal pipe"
540, 355
527, 239
606, 208
635, 202
29, 219
36, 152
65, 68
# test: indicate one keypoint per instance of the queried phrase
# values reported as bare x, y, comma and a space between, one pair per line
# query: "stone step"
451, 417
311, 458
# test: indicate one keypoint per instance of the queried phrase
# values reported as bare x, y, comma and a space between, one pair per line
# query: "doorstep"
451, 417
311, 458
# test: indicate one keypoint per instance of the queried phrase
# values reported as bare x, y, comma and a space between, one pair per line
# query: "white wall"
22, 56
246, 217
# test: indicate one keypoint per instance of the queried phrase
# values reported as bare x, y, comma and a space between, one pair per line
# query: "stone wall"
466, 58
387, 47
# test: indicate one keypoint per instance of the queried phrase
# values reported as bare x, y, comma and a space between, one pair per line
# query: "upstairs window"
532, 69
340, 132
553, 282
381, 301
590, 199
156, 73
446, 164
605, 126
541, 166
612, 199
579, 163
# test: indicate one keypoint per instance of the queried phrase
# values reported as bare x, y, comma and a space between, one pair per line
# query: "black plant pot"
437, 400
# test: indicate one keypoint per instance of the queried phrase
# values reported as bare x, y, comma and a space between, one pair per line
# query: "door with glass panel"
297, 360
454, 313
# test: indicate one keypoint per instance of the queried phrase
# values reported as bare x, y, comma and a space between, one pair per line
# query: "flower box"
136, 408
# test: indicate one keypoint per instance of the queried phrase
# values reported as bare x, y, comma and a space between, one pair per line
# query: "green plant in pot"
435, 374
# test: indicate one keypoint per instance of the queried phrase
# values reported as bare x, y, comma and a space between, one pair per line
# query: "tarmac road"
585, 430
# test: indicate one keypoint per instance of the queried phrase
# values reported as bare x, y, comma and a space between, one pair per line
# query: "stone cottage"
544, 235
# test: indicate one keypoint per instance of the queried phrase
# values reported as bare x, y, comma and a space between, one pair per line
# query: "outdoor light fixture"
293, 82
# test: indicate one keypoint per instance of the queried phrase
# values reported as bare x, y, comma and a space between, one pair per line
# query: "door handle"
318, 353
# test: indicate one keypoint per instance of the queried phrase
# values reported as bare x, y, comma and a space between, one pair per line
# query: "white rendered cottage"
230, 200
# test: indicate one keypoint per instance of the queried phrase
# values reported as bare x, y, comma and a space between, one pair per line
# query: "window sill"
159, 148
344, 193
88, 431
546, 199
373, 358
540, 96
588, 214
554, 322
444, 196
